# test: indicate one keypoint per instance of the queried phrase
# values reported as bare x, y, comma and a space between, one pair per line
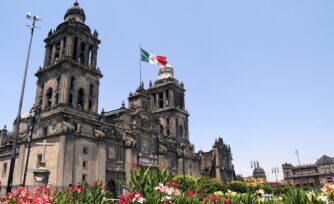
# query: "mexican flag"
152, 59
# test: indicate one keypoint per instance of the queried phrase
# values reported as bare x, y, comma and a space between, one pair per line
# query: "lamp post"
255, 164
275, 170
18, 118
31, 130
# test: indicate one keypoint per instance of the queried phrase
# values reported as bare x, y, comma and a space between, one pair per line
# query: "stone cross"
44, 144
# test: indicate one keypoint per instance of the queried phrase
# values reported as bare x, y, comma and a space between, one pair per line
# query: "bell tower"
69, 76
167, 103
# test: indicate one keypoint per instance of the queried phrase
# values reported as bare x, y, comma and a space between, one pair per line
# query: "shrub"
187, 182
208, 185
238, 186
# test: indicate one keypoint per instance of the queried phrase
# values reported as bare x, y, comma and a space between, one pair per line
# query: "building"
259, 176
316, 174
252, 181
259, 173
73, 143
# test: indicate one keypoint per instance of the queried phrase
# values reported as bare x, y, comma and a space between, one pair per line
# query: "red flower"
199, 193
190, 193
123, 200
227, 201
74, 188
216, 198
81, 189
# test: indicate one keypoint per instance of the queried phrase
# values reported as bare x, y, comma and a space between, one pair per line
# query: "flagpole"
139, 65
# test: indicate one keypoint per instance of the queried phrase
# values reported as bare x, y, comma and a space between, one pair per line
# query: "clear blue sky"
258, 73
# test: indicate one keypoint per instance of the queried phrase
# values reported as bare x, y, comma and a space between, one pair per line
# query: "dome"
259, 172
75, 13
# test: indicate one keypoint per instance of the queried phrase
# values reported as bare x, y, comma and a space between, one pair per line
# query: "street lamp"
275, 170
255, 164
18, 118
31, 130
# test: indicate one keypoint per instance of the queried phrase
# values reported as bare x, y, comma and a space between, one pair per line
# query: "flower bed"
154, 187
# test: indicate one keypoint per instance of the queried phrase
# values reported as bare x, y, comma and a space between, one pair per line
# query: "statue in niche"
99, 133
68, 127
129, 141
162, 149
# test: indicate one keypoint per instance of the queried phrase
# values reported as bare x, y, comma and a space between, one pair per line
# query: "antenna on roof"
297, 153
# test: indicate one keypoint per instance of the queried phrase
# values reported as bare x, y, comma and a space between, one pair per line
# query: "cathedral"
69, 142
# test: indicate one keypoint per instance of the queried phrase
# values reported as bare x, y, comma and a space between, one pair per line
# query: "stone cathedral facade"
75, 143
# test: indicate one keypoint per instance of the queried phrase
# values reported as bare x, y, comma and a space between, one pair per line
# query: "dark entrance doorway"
111, 187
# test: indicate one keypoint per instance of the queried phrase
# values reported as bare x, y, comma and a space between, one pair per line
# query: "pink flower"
36, 189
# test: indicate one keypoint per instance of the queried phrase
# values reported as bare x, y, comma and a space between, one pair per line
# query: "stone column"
47, 56
129, 161
87, 48
61, 161
218, 176
61, 49
157, 101
171, 98
53, 54
101, 162
78, 50
69, 46
64, 89
94, 57
164, 99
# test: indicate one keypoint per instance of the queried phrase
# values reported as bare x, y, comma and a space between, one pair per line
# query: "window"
74, 55
84, 177
39, 161
181, 131
85, 150
167, 99
161, 100
90, 105
154, 100
82, 53
168, 132
57, 98
167, 121
111, 153
4, 169
45, 131
81, 98
84, 164
49, 98
70, 100
91, 87
72, 83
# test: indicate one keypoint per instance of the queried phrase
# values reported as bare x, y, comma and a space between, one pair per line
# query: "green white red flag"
152, 59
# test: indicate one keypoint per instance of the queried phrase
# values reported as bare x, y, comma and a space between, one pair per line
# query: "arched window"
57, 98
91, 87
90, 105
72, 83
181, 131
81, 98
70, 100
49, 97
